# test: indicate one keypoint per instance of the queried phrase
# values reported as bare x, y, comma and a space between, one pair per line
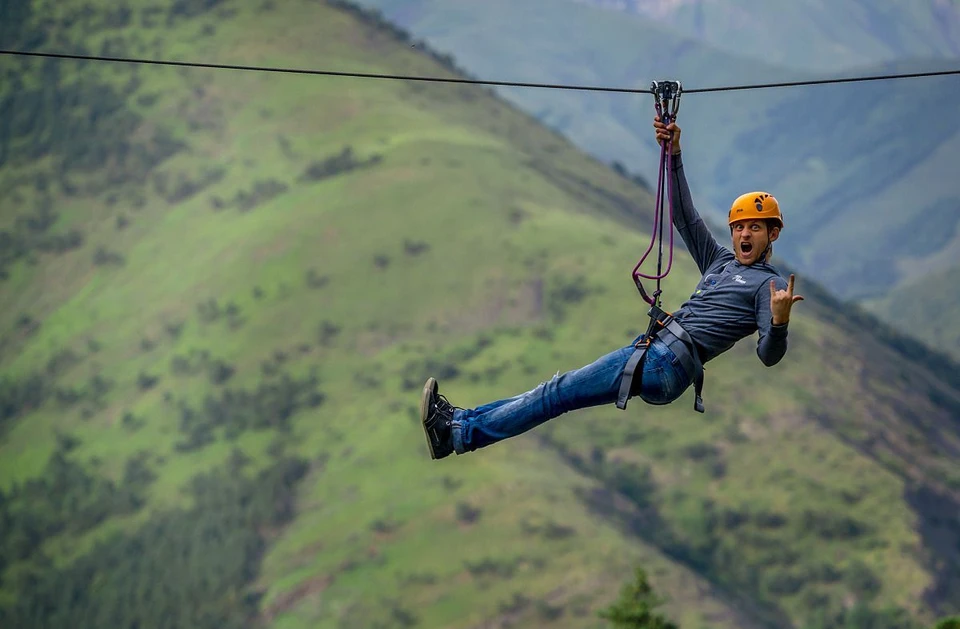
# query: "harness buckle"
659, 316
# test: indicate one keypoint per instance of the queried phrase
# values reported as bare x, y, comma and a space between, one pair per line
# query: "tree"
634, 608
953, 622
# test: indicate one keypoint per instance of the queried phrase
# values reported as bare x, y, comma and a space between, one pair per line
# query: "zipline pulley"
667, 95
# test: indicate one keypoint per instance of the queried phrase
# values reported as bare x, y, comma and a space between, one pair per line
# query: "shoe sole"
430, 389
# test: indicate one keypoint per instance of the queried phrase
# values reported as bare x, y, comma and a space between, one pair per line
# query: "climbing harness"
668, 330
662, 325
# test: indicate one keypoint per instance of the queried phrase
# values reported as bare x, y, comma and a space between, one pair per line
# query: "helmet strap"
763, 256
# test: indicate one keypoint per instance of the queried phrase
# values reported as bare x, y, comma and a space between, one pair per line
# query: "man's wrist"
676, 160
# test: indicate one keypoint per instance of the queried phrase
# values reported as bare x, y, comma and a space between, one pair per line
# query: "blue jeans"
662, 381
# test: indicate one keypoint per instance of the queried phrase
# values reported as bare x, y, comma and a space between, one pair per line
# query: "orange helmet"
755, 205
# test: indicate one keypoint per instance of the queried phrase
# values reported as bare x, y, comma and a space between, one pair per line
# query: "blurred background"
222, 291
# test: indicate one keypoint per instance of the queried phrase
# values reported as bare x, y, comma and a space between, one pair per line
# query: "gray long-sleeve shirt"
731, 301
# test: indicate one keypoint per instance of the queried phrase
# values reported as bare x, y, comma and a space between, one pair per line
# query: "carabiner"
667, 95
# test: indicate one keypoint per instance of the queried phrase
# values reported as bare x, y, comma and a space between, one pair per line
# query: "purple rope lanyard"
666, 162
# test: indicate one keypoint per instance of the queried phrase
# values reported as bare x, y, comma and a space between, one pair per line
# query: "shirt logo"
739, 279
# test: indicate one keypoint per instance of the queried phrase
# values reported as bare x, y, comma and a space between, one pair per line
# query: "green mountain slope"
223, 290
813, 35
853, 178
932, 298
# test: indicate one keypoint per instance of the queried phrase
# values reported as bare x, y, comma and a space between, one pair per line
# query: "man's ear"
774, 233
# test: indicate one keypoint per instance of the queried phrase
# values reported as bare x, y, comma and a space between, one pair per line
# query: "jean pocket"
675, 381
655, 383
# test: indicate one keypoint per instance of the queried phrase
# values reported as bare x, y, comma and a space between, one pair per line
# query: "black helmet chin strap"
766, 250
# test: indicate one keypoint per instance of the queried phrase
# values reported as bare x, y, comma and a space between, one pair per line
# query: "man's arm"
772, 345
700, 242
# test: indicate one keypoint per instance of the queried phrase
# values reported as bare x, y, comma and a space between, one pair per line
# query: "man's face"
750, 239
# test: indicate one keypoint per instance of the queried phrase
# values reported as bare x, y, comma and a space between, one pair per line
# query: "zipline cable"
401, 77
666, 93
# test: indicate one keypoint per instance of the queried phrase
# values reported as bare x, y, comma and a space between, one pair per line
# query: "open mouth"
746, 248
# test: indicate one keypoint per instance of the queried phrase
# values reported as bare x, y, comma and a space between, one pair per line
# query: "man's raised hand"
781, 301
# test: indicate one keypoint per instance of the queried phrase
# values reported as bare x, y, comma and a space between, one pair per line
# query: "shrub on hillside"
635, 607
221, 371
564, 292
495, 568
104, 257
341, 163
179, 188
415, 247
261, 192
327, 332
548, 530
830, 526
146, 381
190, 8
19, 396
175, 329
31, 233
467, 513
59, 243
268, 406
116, 17
841, 615
315, 280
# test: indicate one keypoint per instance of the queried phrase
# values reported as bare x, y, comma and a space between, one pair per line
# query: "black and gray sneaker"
436, 414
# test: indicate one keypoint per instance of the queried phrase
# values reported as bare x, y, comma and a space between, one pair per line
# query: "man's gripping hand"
665, 133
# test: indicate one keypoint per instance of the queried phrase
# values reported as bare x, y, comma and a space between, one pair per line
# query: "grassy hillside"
813, 35
933, 299
854, 179
223, 292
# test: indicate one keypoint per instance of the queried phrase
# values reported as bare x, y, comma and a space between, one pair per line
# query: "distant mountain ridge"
816, 35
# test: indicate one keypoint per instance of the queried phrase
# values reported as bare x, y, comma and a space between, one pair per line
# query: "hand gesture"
665, 132
781, 301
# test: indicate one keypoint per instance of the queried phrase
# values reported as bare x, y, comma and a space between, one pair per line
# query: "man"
739, 293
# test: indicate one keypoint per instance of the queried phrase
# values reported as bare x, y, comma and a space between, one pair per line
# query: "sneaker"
436, 415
